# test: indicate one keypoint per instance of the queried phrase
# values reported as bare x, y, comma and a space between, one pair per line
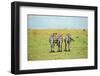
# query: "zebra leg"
58, 47
68, 46
65, 47
52, 47
61, 48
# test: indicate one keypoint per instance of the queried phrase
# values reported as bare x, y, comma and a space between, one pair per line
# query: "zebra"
59, 42
67, 40
53, 41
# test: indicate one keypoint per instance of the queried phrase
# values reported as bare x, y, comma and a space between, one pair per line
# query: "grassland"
39, 47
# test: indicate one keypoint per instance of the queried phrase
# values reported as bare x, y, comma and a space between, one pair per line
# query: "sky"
57, 22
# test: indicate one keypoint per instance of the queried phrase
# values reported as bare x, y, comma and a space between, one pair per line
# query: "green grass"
39, 47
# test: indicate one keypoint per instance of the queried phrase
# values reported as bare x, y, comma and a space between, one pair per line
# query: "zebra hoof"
65, 50
52, 51
68, 50
59, 51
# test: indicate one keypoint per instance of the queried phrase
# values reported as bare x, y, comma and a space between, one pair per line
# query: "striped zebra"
67, 40
56, 40
59, 42
53, 41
